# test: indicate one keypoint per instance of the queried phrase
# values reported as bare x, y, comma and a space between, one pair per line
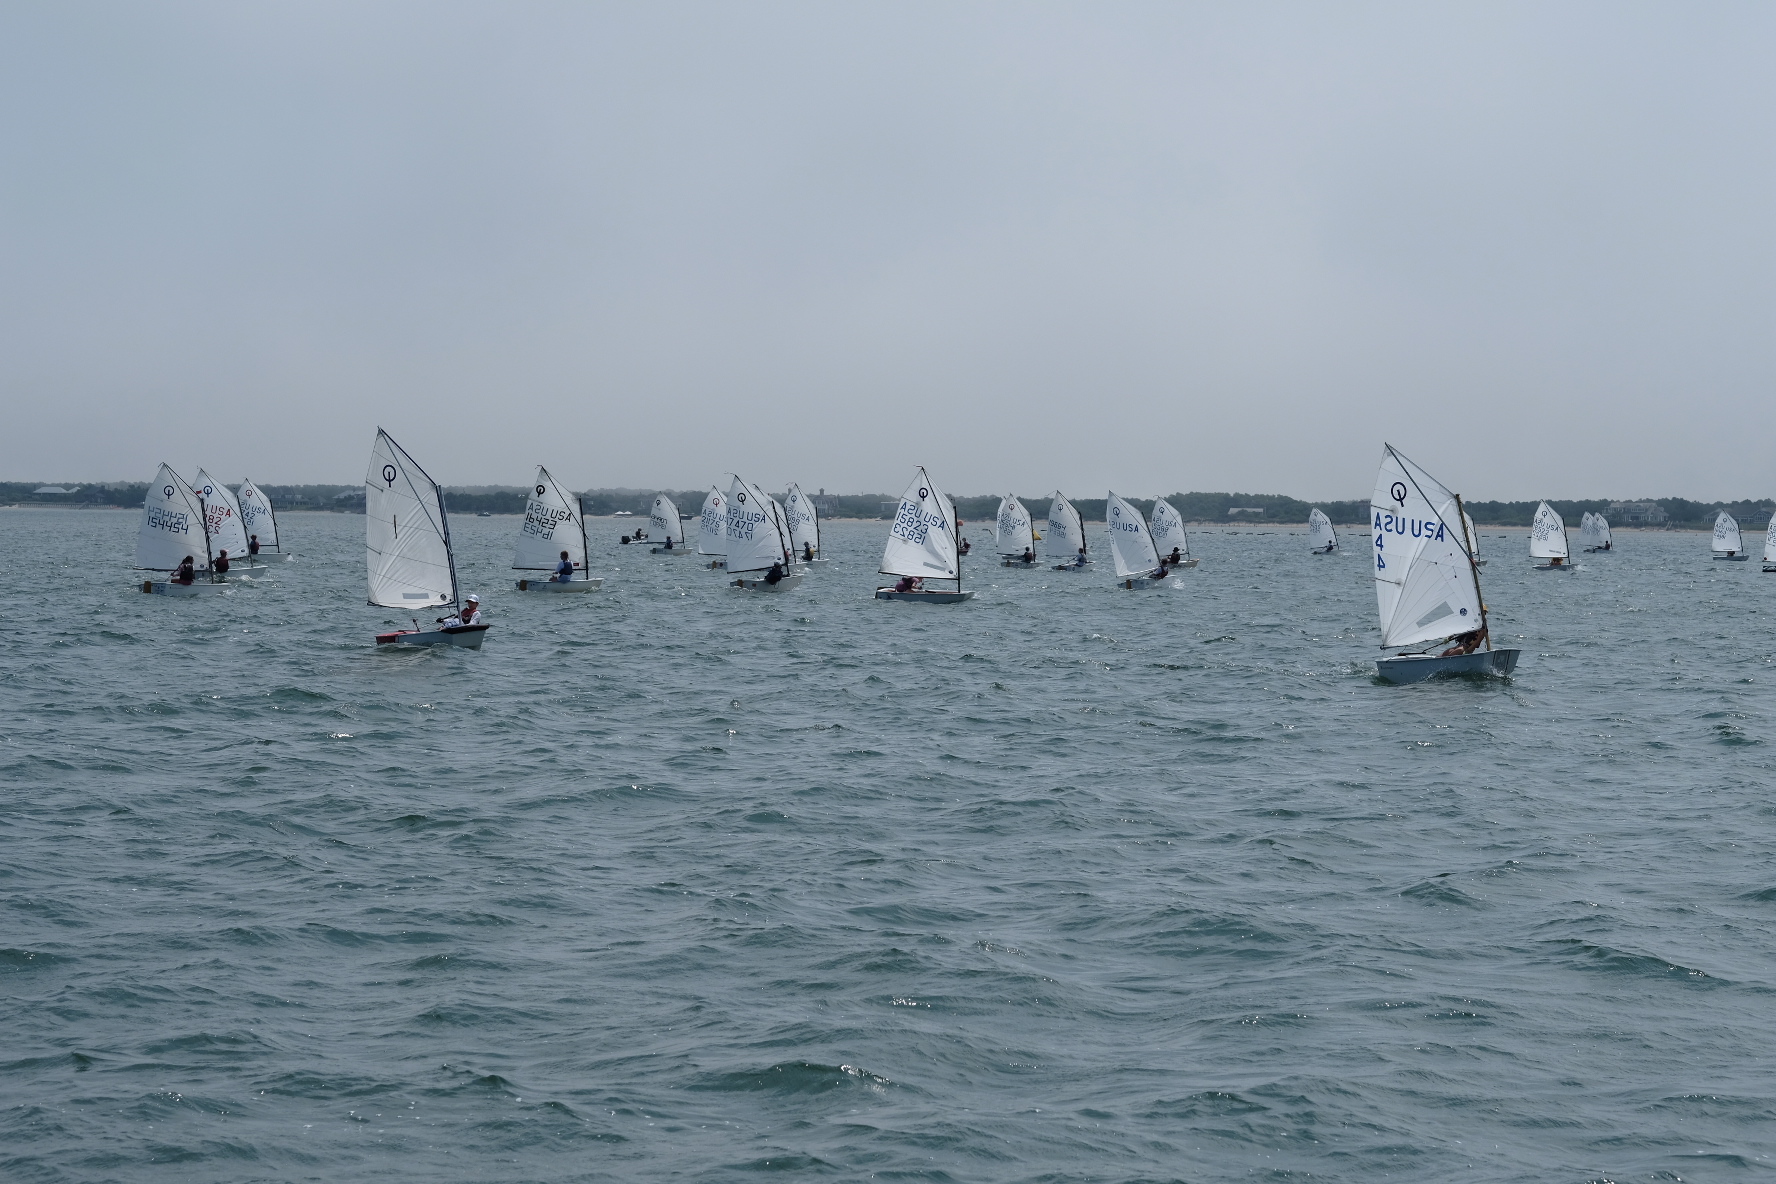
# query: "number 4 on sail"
1427, 586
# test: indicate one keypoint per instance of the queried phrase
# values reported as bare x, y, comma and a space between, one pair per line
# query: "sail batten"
1426, 586
406, 532
1131, 543
922, 540
172, 525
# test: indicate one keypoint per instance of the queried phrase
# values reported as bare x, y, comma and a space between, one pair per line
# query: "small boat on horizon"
666, 519
1013, 534
174, 522
1321, 538
1547, 540
1728, 544
1132, 549
1066, 536
1594, 534
712, 533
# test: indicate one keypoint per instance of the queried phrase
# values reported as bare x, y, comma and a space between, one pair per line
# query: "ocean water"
672, 882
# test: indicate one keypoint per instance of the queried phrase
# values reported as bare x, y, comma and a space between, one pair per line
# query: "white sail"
1473, 535
1547, 534
1320, 534
1012, 527
1131, 545
258, 518
222, 514
172, 525
1167, 526
1426, 586
1603, 531
1726, 534
1066, 533
922, 541
552, 524
1593, 530
755, 535
804, 522
712, 535
663, 521
406, 533
1770, 541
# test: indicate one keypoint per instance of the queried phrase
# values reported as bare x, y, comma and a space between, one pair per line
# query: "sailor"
807, 552
252, 547
1029, 555
1465, 643
907, 584
1080, 560
1161, 573
965, 548
564, 571
1560, 560
221, 564
186, 573
775, 575
468, 614
668, 545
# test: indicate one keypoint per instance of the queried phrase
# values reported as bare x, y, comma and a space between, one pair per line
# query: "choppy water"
673, 882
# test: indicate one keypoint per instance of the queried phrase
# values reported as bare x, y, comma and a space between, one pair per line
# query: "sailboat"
1321, 538
173, 529
260, 522
664, 519
1547, 540
1170, 536
552, 524
1131, 546
1727, 543
922, 545
407, 547
712, 533
1770, 546
1066, 535
223, 519
757, 539
1473, 539
804, 526
1594, 534
1013, 535
1427, 585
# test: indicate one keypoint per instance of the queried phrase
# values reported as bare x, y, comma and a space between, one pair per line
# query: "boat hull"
757, 584
668, 551
1769, 567
1325, 550
1015, 562
1552, 567
718, 565
1136, 583
591, 585
1070, 566
1418, 667
466, 637
168, 588
1598, 550
1732, 558
924, 597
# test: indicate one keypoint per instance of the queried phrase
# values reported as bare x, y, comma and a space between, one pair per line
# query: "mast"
449, 551
585, 548
203, 517
955, 536
1474, 570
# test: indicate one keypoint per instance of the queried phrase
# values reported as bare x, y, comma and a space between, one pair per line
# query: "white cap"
473, 599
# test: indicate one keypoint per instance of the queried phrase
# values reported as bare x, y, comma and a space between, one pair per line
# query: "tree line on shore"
1221, 508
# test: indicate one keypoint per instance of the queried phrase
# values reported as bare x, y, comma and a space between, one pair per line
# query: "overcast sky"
1145, 247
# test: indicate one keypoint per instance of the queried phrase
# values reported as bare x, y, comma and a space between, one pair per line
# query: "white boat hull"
168, 588
924, 597
466, 637
1136, 583
668, 551
1598, 550
1014, 561
718, 565
757, 583
1325, 550
1732, 558
1554, 567
1417, 667
1071, 566
590, 585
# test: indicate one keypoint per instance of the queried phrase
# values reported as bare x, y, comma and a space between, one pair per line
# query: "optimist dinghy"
1727, 543
1320, 536
922, 545
1013, 535
712, 533
1547, 540
224, 521
1594, 534
1066, 536
1770, 546
663, 518
407, 547
174, 527
804, 526
260, 522
1427, 586
757, 538
1131, 546
1170, 536
552, 524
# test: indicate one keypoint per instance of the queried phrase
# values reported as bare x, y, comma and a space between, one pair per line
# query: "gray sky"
1145, 247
